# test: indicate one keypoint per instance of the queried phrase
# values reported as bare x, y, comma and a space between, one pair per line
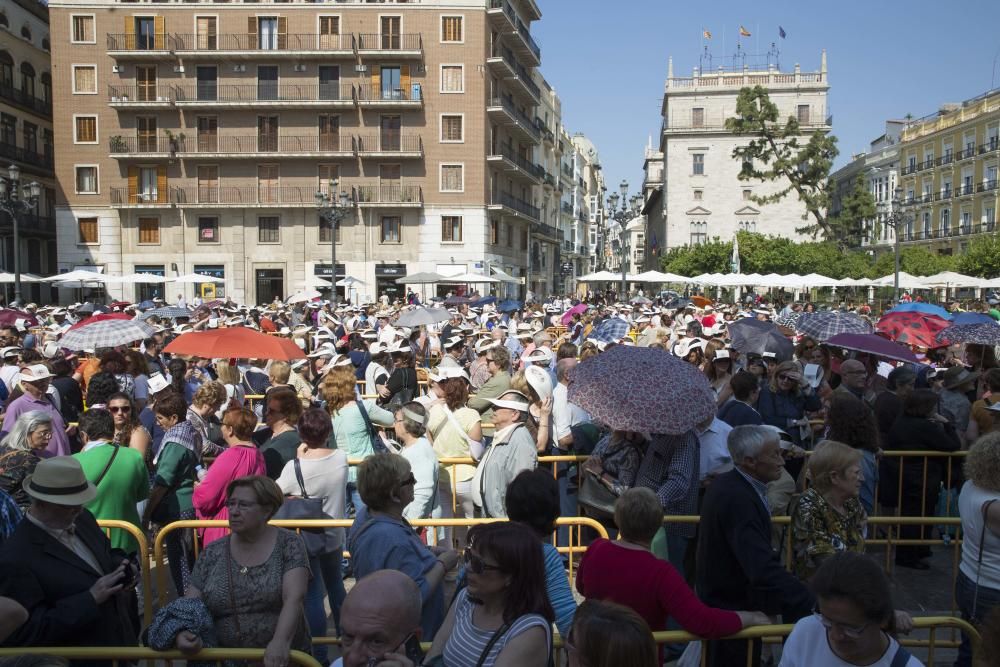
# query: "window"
327, 173
927, 224
267, 184
989, 217
324, 230
452, 178
86, 230
329, 32
271, 32
452, 79
86, 129
390, 137
149, 185
208, 184
208, 83
149, 231
84, 79
267, 82
8, 129
207, 39
698, 164
26, 32
748, 225
803, 114
86, 180
145, 131
268, 229
746, 195
451, 29
698, 194
698, 117
699, 233
391, 32
946, 221
391, 229
966, 222
83, 29
451, 128
329, 133
451, 228
208, 134
145, 82
524, 239
145, 33
208, 229
329, 82
27, 79
267, 134
494, 232
30, 132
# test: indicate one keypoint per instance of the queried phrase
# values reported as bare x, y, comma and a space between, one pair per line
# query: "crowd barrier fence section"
126, 655
146, 579
575, 547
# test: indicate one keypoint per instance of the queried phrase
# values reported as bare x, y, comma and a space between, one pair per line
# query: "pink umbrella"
579, 308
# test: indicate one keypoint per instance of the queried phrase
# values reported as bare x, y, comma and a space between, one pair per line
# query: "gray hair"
563, 369
748, 441
26, 424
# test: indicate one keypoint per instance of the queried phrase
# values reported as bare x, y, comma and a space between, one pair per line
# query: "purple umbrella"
567, 317
873, 344
979, 334
642, 389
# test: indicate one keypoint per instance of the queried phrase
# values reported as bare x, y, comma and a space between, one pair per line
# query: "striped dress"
467, 642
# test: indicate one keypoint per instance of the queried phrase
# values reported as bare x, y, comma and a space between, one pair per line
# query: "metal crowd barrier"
127, 655
146, 579
576, 545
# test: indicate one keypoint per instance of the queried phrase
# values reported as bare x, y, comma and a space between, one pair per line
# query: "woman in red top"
626, 572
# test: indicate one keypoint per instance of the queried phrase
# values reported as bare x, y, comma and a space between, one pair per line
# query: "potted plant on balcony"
118, 144
175, 140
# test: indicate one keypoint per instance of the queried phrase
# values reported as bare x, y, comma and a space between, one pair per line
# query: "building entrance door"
270, 284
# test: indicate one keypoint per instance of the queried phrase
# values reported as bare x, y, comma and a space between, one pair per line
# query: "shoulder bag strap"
454, 422
229, 576
491, 643
979, 560
901, 658
298, 478
111, 459
377, 445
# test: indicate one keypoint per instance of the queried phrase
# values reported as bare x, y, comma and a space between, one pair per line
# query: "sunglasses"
786, 378
477, 565
854, 632
409, 481
124, 409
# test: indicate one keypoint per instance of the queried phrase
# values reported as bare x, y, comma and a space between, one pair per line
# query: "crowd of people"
382, 423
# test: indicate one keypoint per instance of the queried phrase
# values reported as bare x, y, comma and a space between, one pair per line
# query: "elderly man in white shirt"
714, 454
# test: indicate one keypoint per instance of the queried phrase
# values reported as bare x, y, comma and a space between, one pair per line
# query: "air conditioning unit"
299, 68
361, 68
239, 68
179, 69
117, 69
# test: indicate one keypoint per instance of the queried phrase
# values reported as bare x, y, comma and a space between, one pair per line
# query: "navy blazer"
737, 568
53, 584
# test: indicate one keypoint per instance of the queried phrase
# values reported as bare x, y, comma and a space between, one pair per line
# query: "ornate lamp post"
333, 209
896, 220
622, 216
16, 199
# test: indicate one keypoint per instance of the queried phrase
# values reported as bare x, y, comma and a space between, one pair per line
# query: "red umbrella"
9, 318
101, 318
642, 389
234, 342
913, 328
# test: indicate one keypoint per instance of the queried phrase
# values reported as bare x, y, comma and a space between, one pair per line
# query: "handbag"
596, 497
378, 445
979, 563
317, 540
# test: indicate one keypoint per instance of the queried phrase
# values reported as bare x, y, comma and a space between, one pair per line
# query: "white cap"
34, 373
539, 380
157, 383
448, 373
518, 401
721, 354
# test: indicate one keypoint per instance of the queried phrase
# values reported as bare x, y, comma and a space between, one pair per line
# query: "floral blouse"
820, 531
15, 465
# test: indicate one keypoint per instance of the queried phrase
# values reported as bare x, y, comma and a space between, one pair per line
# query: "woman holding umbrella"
785, 403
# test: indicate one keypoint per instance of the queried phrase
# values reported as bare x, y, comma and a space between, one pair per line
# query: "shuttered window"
149, 231
86, 129
391, 229
698, 117
451, 178
207, 34
268, 229
87, 230
327, 173
451, 228
329, 32
451, 79
451, 128
451, 28
84, 79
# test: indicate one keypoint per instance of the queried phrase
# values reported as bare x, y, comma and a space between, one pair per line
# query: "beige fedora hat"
60, 481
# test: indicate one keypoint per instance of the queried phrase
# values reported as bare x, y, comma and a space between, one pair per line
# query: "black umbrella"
752, 336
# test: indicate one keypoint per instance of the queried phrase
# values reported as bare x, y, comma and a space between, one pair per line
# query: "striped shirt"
467, 642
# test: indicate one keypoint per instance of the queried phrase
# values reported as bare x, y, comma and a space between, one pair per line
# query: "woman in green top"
173, 483
281, 413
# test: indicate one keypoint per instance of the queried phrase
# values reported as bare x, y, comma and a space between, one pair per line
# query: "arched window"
28, 79
6, 70
46, 45
3, 20
46, 80
699, 232
26, 31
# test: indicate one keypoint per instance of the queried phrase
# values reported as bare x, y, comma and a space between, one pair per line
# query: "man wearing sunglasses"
381, 622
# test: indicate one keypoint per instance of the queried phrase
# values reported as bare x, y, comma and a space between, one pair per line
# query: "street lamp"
14, 200
622, 216
895, 220
333, 209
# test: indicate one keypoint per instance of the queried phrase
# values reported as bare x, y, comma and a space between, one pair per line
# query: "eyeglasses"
44, 435
853, 632
125, 409
785, 378
409, 480
477, 565
240, 505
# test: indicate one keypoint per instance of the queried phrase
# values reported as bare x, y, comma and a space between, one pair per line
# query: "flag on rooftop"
706, 34
781, 32
744, 32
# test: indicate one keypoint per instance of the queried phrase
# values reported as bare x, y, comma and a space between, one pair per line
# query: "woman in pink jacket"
240, 458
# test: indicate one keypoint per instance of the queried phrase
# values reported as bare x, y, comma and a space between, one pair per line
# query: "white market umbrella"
951, 279
600, 276
424, 278
303, 296
25, 278
660, 277
472, 279
349, 281
906, 281
817, 280
314, 281
81, 276
196, 278
144, 279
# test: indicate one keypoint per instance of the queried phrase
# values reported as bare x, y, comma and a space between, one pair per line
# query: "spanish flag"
706, 34
744, 32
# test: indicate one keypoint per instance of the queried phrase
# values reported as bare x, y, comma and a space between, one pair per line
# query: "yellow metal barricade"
145, 578
131, 654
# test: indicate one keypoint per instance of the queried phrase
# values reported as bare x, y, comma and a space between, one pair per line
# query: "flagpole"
757, 34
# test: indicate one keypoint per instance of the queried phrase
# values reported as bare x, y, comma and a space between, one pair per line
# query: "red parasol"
913, 328
234, 342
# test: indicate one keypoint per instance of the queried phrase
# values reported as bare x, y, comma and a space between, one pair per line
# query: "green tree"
711, 257
857, 206
776, 153
915, 261
982, 257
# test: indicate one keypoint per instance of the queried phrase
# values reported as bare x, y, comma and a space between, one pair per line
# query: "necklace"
244, 569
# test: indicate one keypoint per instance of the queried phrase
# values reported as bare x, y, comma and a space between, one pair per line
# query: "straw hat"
60, 481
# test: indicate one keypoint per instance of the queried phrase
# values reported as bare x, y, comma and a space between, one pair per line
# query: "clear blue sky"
608, 60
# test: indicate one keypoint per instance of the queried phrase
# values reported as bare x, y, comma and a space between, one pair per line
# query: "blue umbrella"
510, 305
611, 330
972, 318
484, 300
828, 323
146, 304
920, 307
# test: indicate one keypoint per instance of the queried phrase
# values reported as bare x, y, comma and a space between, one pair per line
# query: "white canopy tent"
951, 279
600, 276
906, 281
658, 277
82, 276
473, 279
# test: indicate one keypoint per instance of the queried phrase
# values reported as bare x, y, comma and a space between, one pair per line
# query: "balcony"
567, 208
128, 197
968, 153
120, 146
943, 195
987, 186
524, 45
991, 146
517, 207
516, 165
146, 47
503, 110
252, 195
501, 15
523, 83
390, 46
549, 137
244, 45
389, 145
910, 169
147, 96
502, 62
27, 157
30, 103
926, 164
547, 231
389, 98
267, 146
947, 158
549, 181
965, 190
263, 94
389, 196
987, 227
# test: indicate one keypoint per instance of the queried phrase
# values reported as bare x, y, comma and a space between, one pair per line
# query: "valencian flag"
706, 34
781, 32
744, 32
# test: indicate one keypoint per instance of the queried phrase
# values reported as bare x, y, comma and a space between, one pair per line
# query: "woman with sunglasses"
128, 431
786, 404
503, 615
854, 621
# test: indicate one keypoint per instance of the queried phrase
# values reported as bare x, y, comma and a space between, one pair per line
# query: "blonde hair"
982, 463
379, 476
211, 393
829, 457
227, 374
785, 367
280, 371
338, 388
